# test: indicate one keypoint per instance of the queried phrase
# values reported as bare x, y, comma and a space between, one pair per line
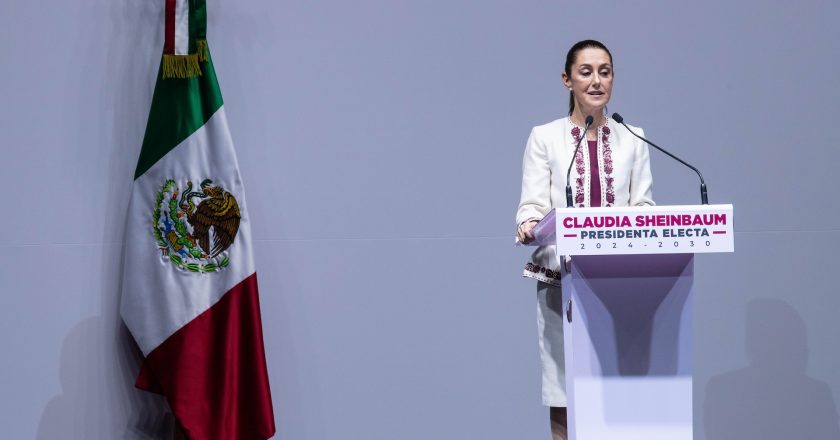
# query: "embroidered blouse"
612, 170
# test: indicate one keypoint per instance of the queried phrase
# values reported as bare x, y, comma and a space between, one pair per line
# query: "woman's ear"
566, 80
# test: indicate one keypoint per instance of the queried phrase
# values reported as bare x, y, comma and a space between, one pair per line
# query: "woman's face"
591, 80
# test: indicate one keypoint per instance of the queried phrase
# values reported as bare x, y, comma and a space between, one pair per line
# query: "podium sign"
691, 229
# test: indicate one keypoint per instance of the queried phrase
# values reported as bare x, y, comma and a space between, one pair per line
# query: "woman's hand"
523, 233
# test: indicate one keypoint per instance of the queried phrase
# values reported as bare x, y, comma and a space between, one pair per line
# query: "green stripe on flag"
198, 24
180, 106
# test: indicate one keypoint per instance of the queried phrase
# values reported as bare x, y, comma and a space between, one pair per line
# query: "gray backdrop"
381, 143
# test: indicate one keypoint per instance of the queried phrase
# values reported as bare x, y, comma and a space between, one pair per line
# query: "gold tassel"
201, 50
181, 66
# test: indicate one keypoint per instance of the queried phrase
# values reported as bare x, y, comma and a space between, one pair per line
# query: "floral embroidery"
579, 168
534, 268
608, 166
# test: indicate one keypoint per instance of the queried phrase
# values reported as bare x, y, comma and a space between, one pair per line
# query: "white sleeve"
535, 200
641, 180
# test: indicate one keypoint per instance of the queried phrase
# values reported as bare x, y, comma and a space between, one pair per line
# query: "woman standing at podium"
611, 168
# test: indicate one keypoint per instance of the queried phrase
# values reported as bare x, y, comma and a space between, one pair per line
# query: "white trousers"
552, 354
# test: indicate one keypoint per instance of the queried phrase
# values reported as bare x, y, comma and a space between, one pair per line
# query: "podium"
628, 314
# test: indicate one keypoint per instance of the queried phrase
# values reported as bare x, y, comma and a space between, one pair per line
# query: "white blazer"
624, 164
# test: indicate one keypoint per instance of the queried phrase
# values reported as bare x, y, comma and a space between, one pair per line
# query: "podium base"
628, 345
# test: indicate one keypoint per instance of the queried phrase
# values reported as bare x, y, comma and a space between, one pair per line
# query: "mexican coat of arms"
195, 237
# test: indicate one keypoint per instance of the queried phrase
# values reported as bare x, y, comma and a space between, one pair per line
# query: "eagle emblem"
195, 237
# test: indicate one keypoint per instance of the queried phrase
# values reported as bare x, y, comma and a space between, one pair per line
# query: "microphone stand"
587, 123
704, 197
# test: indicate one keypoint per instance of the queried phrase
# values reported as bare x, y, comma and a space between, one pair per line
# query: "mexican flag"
189, 293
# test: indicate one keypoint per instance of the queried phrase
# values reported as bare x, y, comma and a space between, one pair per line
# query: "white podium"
628, 306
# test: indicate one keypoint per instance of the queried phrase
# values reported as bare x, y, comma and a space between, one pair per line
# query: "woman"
612, 168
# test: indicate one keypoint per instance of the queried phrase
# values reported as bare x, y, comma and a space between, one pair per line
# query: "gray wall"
381, 143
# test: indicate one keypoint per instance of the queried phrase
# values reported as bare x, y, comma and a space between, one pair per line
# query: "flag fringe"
181, 66
201, 50
186, 66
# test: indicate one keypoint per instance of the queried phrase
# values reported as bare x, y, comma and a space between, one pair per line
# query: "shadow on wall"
771, 398
97, 399
99, 360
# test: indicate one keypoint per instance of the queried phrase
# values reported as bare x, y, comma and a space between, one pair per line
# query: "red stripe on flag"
169, 28
213, 373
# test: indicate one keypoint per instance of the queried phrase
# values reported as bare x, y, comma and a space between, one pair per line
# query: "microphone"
704, 197
587, 122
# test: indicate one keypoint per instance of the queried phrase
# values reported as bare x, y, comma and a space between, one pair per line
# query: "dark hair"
570, 59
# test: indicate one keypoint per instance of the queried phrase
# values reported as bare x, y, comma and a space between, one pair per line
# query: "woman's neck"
578, 118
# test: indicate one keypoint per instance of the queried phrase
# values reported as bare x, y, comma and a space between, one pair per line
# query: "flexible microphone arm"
587, 122
704, 197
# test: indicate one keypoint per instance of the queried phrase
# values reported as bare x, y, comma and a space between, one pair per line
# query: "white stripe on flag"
182, 27
159, 298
